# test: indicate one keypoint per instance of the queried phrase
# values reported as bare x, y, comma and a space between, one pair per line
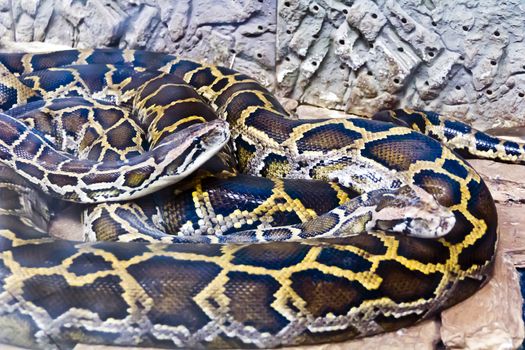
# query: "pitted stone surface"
360, 56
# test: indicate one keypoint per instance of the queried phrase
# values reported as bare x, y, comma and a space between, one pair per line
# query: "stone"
452, 57
312, 112
505, 181
30, 6
138, 34
5, 6
104, 25
435, 79
491, 318
330, 93
10, 46
42, 18
24, 27
367, 18
105, 347
512, 239
307, 31
426, 43
346, 49
60, 32
6, 21
289, 104
178, 22
68, 225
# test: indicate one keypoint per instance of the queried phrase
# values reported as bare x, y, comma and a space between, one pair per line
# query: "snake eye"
217, 133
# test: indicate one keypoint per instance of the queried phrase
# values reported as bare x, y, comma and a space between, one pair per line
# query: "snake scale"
286, 232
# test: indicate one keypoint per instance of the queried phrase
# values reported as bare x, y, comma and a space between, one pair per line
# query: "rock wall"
464, 58
456, 57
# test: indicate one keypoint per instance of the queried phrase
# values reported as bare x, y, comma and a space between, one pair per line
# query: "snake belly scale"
355, 268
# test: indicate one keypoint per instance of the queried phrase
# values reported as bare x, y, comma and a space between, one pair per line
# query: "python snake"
324, 230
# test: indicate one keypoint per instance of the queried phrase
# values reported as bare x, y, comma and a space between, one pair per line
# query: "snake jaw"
427, 225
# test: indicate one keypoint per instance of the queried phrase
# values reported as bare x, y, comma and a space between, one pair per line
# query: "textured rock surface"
239, 33
455, 57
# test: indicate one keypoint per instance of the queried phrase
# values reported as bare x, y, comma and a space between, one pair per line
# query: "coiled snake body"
361, 226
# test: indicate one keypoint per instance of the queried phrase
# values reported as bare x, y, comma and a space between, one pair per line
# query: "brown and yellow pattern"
331, 252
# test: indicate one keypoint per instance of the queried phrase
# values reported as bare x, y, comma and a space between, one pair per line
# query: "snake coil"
292, 232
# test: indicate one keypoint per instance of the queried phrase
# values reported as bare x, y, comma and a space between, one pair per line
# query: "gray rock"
6, 26
42, 18
60, 31
177, 19
30, 6
5, 6
138, 35
366, 17
454, 57
24, 27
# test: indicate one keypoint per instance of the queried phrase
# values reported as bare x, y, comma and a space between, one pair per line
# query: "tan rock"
423, 336
35, 46
312, 112
68, 225
289, 104
506, 181
490, 319
512, 232
11, 347
106, 347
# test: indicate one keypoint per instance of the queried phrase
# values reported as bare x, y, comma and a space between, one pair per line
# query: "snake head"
187, 150
169, 162
414, 212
